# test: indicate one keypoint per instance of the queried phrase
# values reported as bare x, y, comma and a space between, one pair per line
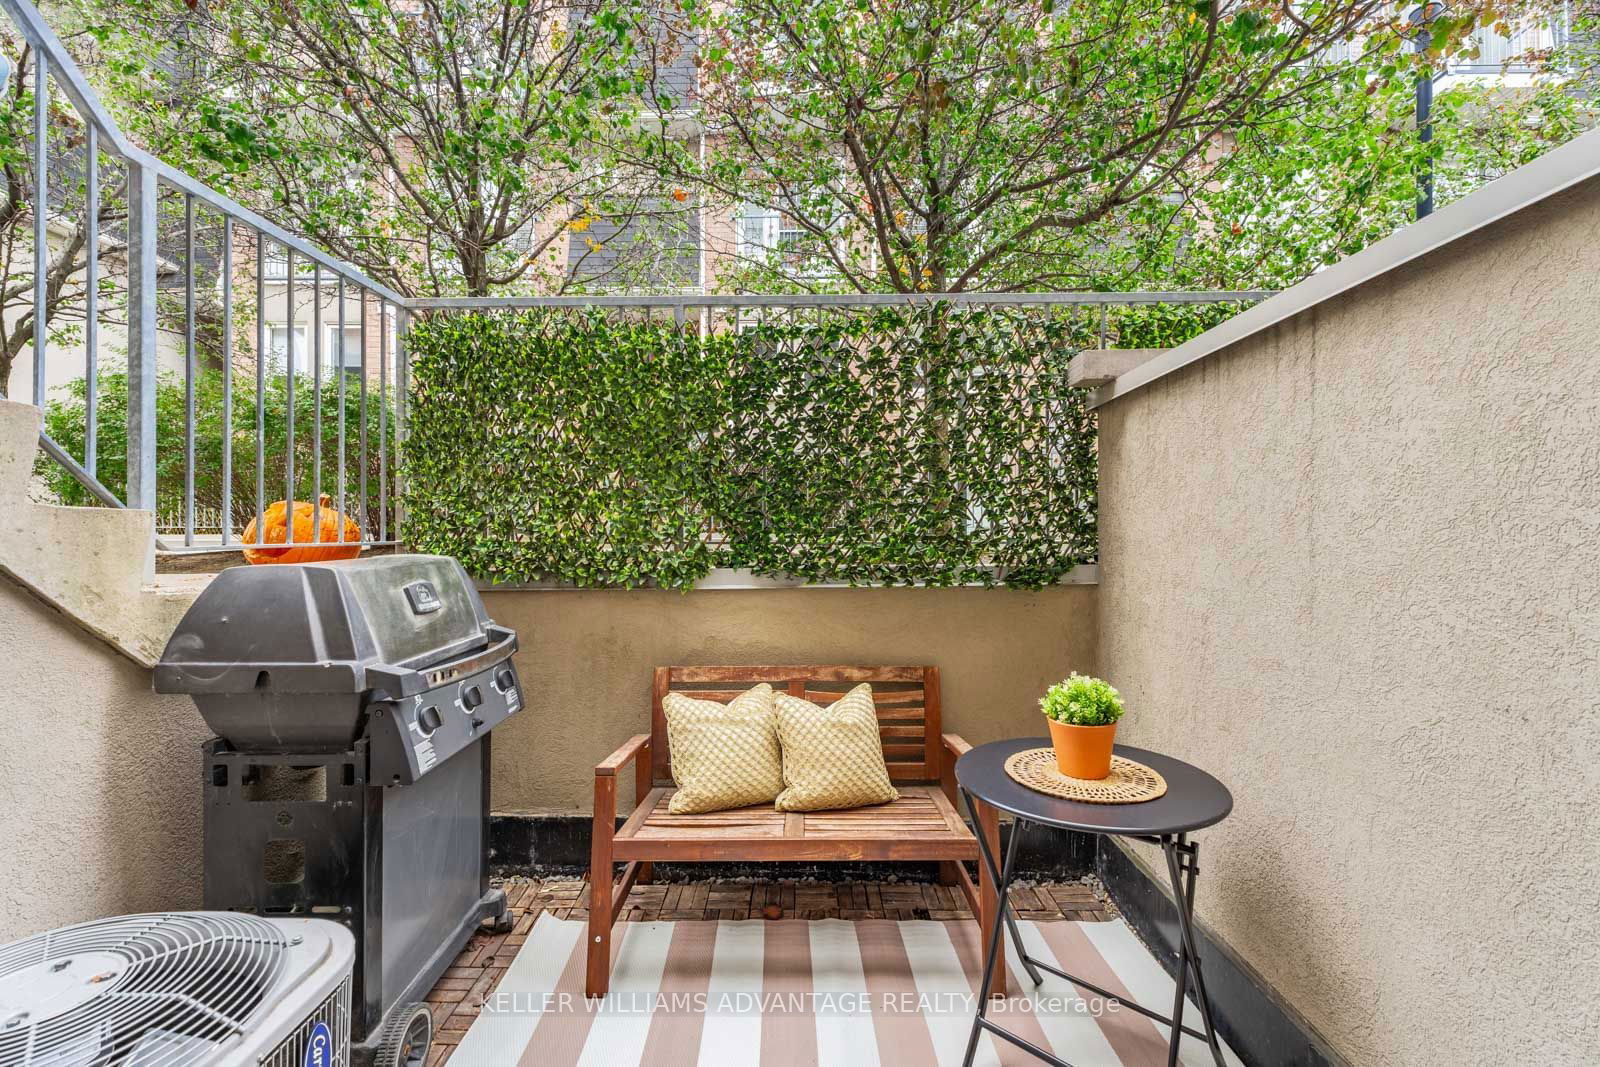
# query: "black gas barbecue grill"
350, 777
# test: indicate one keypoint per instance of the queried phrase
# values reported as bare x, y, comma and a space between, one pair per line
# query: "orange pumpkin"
306, 548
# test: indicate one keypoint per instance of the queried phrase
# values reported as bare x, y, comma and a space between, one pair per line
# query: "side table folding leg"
1182, 857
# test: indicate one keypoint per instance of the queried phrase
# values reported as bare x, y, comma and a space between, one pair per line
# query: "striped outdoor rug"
797, 993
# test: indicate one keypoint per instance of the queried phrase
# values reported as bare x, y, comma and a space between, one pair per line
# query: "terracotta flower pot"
1082, 751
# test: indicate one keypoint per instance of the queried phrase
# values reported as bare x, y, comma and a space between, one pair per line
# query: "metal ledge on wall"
1094, 367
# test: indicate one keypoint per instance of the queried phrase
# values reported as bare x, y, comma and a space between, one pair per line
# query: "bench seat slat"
920, 825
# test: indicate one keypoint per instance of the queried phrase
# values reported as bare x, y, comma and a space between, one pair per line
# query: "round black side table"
1193, 800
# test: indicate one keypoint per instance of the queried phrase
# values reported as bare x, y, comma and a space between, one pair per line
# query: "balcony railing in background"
167, 228
239, 388
1523, 51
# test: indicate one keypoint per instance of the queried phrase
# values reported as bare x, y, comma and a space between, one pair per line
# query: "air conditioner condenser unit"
178, 989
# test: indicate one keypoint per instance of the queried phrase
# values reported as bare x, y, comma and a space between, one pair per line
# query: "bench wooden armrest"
605, 898
954, 746
630, 750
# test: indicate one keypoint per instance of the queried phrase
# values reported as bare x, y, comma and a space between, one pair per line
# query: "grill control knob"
429, 719
471, 697
505, 679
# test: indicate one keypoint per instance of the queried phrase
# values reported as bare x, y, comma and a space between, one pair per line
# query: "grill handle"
391, 682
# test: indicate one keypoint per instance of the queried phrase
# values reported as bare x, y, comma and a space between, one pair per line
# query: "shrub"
572, 446
928, 445
1082, 701
65, 423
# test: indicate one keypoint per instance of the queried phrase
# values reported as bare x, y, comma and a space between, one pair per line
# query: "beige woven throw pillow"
723, 755
832, 758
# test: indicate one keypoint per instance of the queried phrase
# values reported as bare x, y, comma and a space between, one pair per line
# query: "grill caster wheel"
406, 1038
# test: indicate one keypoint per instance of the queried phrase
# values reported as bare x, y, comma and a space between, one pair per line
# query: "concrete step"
19, 441
95, 565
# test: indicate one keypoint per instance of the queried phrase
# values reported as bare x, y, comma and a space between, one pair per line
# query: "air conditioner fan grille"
136, 990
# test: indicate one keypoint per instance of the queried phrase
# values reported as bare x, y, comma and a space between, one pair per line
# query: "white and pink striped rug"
798, 993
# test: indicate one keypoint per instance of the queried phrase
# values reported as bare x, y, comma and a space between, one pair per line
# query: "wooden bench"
922, 825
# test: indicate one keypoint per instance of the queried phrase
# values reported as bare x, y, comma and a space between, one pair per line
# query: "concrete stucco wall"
99, 778
1352, 566
587, 657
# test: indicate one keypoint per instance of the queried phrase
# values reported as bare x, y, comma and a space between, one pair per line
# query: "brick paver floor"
461, 990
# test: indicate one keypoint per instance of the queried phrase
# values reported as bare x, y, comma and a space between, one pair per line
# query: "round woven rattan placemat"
1128, 782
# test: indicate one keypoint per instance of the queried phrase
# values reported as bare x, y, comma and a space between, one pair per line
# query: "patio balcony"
1337, 546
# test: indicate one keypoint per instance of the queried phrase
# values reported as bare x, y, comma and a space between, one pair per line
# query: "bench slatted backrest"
907, 700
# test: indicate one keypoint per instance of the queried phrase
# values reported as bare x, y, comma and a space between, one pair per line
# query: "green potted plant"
1083, 714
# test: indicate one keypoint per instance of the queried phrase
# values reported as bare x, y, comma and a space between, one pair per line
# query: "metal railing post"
142, 193
402, 379
41, 221
91, 301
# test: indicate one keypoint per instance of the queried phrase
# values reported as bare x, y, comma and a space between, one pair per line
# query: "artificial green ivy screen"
906, 445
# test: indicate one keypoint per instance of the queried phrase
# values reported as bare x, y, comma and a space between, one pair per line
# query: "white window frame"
341, 354
278, 345
756, 231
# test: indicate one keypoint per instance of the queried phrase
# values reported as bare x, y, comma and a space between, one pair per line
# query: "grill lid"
328, 627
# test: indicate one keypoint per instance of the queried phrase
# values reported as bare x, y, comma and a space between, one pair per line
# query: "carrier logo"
319, 1047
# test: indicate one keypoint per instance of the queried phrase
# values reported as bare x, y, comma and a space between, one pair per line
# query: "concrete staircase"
95, 565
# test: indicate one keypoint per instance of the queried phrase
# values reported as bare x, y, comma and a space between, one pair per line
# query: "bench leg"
642, 781
988, 820
948, 874
597, 980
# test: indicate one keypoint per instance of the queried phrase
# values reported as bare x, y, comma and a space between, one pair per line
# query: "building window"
277, 267
763, 233
348, 354
276, 262
523, 237
758, 231
789, 234
278, 347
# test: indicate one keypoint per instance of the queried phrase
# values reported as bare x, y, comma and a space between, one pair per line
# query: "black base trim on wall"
1262, 1028
559, 845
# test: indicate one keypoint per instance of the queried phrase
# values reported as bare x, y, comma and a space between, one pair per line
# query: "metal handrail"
89, 481
72, 82
382, 457
782, 300
54, 68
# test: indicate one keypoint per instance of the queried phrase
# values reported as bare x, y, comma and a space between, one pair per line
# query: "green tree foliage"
120, 59
976, 145
900, 445
439, 145
65, 422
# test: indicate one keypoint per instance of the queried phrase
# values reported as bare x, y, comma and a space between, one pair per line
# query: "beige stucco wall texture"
1352, 566
99, 777
586, 662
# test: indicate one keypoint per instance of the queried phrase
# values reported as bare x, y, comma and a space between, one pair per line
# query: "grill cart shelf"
350, 778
